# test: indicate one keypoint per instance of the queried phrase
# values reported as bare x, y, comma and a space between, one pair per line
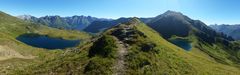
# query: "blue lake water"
47, 42
182, 43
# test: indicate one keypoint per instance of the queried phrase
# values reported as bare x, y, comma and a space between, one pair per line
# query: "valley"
135, 48
168, 44
15, 54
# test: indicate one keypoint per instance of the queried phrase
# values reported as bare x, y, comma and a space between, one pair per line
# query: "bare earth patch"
8, 53
120, 64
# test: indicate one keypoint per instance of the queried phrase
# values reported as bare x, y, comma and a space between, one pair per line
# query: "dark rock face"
148, 47
127, 33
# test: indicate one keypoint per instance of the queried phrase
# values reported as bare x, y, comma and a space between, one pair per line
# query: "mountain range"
99, 26
230, 30
133, 47
84, 23
125, 46
96, 25
73, 22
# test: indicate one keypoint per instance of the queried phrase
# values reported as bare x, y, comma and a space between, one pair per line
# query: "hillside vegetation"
216, 45
15, 54
147, 53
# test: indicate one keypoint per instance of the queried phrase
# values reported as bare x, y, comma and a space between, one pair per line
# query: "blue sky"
208, 11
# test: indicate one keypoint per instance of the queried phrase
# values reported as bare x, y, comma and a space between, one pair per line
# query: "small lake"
46, 42
182, 43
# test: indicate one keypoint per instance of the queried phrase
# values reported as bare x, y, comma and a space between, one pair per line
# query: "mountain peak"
134, 20
169, 12
171, 15
25, 17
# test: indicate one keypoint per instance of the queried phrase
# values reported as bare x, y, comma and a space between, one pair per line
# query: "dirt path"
120, 64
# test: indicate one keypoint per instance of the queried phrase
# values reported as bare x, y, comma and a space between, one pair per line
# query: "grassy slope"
81, 60
164, 58
181, 62
11, 27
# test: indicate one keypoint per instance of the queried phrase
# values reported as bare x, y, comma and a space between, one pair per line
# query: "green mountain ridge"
175, 23
100, 26
128, 48
135, 48
216, 45
15, 54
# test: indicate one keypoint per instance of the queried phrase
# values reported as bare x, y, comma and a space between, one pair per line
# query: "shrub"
105, 46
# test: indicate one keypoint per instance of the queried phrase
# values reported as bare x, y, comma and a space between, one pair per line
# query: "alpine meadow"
125, 37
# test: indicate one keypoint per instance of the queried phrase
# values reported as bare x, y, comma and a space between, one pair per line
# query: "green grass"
104, 47
174, 60
163, 58
102, 56
12, 27
86, 59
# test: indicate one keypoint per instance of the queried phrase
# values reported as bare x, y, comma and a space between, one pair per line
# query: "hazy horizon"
210, 12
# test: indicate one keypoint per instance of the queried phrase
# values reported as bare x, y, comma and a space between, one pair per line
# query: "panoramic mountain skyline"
119, 37
210, 12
